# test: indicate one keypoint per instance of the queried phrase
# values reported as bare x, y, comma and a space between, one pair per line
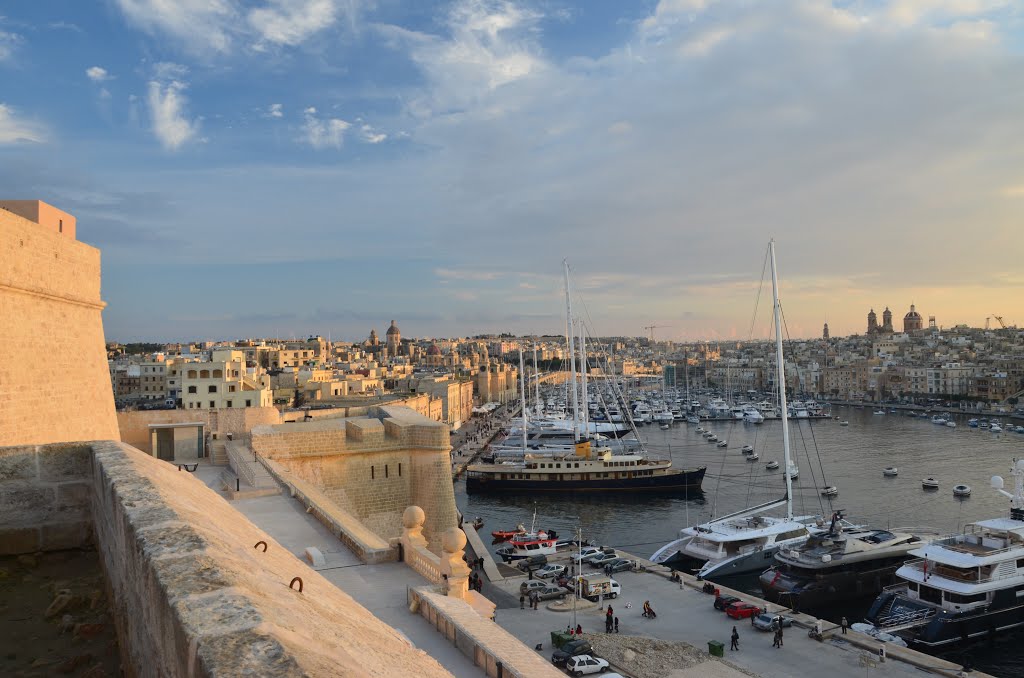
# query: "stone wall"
50, 307
44, 498
239, 421
191, 596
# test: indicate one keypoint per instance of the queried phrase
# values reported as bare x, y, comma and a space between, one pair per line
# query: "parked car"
532, 561
586, 554
771, 622
722, 602
618, 565
549, 571
743, 610
532, 585
601, 561
549, 592
585, 664
570, 649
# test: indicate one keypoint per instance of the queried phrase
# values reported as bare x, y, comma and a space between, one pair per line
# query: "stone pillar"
453, 543
412, 529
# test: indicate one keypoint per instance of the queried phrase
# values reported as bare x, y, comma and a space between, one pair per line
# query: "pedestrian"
775, 639
579, 629
780, 634
843, 623
752, 620
735, 644
530, 570
608, 625
568, 629
616, 625
522, 602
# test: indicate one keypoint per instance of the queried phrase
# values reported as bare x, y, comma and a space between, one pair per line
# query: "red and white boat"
505, 535
529, 544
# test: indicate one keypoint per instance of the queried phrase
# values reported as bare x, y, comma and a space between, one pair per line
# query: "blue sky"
296, 166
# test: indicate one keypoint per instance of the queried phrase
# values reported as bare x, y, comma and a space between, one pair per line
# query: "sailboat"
745, 541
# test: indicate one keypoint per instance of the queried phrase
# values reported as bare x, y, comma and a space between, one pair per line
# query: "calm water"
852, 458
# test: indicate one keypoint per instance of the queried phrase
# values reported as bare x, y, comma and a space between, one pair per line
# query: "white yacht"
736, 413
962, 586
752, 415
745, 541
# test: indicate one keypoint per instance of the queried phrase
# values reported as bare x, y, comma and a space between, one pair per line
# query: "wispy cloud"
291, 22
323, 132
8, 43
97, 74
466, 274
168, 107
16, 129
275, 111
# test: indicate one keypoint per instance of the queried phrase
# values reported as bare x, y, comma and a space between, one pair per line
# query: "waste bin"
558, 639
716, 648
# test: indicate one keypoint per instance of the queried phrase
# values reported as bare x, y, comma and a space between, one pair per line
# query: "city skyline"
287, 168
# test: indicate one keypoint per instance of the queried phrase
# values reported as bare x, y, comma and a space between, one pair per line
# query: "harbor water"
851, 457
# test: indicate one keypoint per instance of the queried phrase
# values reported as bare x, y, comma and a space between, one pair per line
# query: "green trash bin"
558, 639
716, 648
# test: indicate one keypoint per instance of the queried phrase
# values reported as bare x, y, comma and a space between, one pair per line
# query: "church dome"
393, 329
912, 314
433, 350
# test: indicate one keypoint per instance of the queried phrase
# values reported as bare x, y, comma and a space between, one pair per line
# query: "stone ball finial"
453, 540
413, 517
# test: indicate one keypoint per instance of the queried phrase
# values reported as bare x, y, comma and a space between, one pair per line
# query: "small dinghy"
699, 429
961, 490
829, 491
723, 443
844, 423
950, 423
664, 427
890, 471
753, 457
747, 449
712, 439
772, 465
930, 484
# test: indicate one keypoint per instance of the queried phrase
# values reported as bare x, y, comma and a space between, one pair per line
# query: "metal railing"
953, 574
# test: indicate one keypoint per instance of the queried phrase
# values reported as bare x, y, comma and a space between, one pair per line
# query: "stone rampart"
191, 596
50, 306
239, 421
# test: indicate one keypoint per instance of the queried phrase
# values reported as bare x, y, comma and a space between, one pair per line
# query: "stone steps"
218, 453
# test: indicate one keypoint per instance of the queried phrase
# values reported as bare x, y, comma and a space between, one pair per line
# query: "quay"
685, 614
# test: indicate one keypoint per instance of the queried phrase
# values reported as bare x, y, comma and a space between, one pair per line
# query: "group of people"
734, 639
648, 610
476, 582
534, 600
578, 631
611, 622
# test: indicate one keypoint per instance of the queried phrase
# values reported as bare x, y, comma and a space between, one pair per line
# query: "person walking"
735, 644
780, 635
616, 625
579, 629
775, 639
522, 602
844, 624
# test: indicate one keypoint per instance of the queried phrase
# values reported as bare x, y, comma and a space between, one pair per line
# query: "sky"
288, 167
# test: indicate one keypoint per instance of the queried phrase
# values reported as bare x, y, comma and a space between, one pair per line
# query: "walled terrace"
193, 591
359, 474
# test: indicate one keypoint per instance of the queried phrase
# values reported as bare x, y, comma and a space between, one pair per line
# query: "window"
229, 403
218, 374
213, 389
385, 470
372, 472
191, 389
213, 404
248, 403
399, 470
231, 388
192, 374
60, 226
204, 374
962, 598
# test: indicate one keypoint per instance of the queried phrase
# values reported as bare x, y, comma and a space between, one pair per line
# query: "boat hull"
688, 480
826, 588
951, 628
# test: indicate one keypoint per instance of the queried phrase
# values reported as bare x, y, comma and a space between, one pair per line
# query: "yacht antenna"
522, 387
569, 331
585, 412
536, 381
781, 381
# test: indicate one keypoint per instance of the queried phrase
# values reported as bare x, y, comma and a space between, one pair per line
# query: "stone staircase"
218, 453
243, 476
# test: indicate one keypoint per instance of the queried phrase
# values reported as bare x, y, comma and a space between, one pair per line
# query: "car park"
722, 602
549, 592
550, 570
570, 649
742, 610
532, 562
585, 664
601, 561
771, 622
532, 585
586, 554
618, 565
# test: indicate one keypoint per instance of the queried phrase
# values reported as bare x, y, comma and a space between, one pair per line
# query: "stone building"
887, 321
394, 340
223, 382
872, 322
912, 321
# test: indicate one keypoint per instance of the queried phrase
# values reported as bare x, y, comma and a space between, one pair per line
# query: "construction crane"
999, 319
651, 328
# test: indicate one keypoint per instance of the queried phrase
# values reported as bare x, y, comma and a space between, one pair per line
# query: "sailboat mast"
522, 388
569, 331
536, 382
585, 412
781, 380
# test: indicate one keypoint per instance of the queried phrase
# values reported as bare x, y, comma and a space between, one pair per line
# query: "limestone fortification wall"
51, 325
191, 596
371, 467
134, 426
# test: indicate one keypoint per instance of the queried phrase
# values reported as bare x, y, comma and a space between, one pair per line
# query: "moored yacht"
845, 562
963, 586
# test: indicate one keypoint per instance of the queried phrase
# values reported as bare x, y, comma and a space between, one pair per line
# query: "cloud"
466, 274
323, 133
8, 43
291, 22
201, 26
15, 129
275, 111
370, 135
97, 74
168, 107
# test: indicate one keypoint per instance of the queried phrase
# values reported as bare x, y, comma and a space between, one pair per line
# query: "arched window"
192, 374
218, 374
204, 374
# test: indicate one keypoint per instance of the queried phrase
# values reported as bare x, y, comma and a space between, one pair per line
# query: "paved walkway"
379, 588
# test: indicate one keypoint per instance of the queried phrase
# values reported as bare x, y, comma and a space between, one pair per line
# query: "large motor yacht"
963, 586
842, 563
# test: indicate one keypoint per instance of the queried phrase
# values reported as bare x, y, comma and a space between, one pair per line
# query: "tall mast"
572, 355
781, 380
585, 412
522, 388
536, 382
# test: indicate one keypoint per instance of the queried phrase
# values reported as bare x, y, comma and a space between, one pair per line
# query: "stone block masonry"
50, 306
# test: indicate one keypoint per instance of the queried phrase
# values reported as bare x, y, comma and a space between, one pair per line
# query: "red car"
742, 610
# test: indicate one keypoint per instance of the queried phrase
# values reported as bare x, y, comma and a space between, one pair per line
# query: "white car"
549, 571
584, 664
588, 552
